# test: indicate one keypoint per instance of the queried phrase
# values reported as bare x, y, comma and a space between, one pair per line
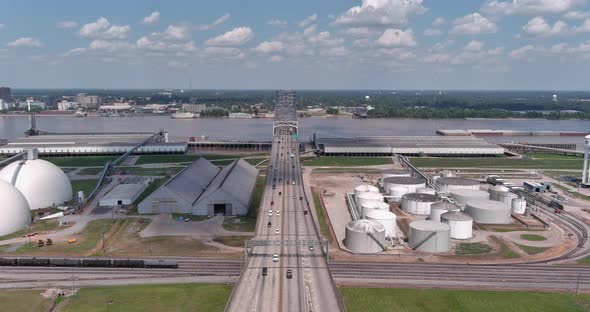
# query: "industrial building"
16, 214
92, 144
536, 187
407, 145
204, 189
123, 194
42, 183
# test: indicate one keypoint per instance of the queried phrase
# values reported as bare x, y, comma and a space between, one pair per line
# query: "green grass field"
464, 249
531, 250
533, 237
23, 300
248, 223
90, 161
432, 162
148, 298
346, 161
505, 251
322, 218
84, 185
552, 156
39, 226
431, 300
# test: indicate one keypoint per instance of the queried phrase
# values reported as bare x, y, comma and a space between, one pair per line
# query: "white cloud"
222, 19
334, 52
308, 20
360, 31
393, 37
576, 15
474, 46
432, 32
522, 53
558, 48
275, 59
269, 47
584, 27
529, 7
67, 24
103, 29
109, 45
25, 42
439, 21
175, 38
474, 24
277, 22
176, 32
537, 26
225, 53
235, 37
152, 19
323, 38
381, 12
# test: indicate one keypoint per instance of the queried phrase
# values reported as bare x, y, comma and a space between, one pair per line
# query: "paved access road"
283, 218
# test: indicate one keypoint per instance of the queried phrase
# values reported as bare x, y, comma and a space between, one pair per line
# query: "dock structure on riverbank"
463, 146
520, 133
68, 144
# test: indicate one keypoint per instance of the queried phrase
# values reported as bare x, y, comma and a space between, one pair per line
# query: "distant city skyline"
333, 44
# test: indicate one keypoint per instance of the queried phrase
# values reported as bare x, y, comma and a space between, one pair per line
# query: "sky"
302, 44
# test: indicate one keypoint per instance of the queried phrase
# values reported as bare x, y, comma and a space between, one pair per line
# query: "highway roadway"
285, 216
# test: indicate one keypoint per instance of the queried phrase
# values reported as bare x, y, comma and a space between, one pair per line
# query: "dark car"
289, 274
269, 224
264, 271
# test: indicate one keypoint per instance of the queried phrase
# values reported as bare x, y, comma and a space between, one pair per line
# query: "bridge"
286, 267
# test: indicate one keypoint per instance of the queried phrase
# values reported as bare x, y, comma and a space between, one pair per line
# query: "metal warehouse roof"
237, 179
124, 191
193, 180
407, 141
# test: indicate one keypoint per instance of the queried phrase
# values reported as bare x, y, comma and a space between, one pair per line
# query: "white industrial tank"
364, 236
386, 218
368, 197
460, 223
365, 188
418, 204
494, 190
518, 205
462, 196
16, 214
487, 211
42, 183
393, 174
426, 190
397, 192
408, 182
437, 209
447, 185
373, 205
429, 236
506, 197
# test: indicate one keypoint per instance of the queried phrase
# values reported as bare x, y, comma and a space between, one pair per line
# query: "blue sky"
303, 44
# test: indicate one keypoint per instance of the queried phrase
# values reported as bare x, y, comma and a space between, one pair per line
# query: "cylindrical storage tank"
461, 224
364, 236
495, 190
437, 209
446, 174
386, 218
15, 210
447, 185
368, 197
363, 189
506, 197
373, 205
418, 204
409, 183
518, 205
429, 236
487, 211
462, 196
425, 190
393, 174
397, 191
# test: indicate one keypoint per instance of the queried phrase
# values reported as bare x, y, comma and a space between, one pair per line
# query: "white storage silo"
429, 236
494, 190
506, 197
447, 185
397, 192
518, 205
462, 196
373, 205
426, 190
392, 174
487, 211
386, 218
418, 204
409, 183
16, 213
460, 223
437, 209
364, 236
365, 188
368, 197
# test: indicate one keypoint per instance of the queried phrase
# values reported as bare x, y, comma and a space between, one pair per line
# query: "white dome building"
42, 183
14, 207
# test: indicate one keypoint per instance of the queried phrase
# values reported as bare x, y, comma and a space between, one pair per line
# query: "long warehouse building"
203, 189
407, 145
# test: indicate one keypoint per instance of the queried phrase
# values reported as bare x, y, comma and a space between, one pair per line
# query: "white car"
293, 183
275, 258
278, 213
277, 231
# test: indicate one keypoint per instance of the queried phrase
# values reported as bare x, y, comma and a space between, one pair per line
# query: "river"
12, 127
